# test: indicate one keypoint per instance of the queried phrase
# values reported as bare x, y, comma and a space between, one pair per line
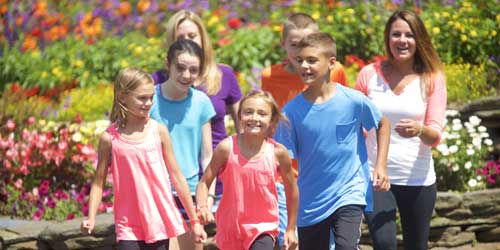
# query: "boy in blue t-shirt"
325, 134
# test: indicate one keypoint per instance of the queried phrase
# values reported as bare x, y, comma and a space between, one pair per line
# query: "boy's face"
291, 40
313, 65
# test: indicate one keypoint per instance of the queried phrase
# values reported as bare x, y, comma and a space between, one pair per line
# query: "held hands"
87, 226
199, 234
408, 128
290, 241
381, 181
204, 214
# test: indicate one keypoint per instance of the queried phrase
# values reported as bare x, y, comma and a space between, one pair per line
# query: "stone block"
491, 235
480, 228
459, 214
446, 201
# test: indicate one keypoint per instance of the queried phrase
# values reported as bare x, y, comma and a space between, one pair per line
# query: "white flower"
484, 135
468, 125
458, 142
468, 165
453, 149
456, 121
77, 137
455, 168
472, 183
470, 151
481, 128
474, 120
476, 142
488, 142
457, 126
442, 147
451, 113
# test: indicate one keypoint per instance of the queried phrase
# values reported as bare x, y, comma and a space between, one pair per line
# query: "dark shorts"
181, 208
342, 228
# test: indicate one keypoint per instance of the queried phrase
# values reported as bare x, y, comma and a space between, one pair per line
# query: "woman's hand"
408, 128
87, 226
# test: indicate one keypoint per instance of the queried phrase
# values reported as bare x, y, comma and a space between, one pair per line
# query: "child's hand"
199, 234
290, 241
205, 215
87, 226
381, 181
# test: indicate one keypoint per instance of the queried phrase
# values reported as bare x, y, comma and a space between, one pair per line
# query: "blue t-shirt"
328, 142
184, 120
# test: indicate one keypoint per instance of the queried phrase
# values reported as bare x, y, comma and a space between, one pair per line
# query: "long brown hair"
210, 74
126, 81
427, 62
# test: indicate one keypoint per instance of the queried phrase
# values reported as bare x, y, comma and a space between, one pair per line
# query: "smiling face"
402, 44
184, 71
139, 101
189, 30
313, 65
255, 116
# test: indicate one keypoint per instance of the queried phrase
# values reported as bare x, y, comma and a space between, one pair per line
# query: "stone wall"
461, 221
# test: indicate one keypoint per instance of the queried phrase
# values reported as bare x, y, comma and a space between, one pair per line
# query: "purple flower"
491, 179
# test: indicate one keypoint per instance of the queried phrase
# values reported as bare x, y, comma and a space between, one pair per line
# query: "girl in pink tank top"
248, 164
141, 159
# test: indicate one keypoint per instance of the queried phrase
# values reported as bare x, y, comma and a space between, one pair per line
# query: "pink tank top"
144, 207
249, 204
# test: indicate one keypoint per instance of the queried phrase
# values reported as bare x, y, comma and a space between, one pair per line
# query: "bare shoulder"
224, 147
280, 150
105, 139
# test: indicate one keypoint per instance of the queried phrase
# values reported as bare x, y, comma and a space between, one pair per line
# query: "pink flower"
11, 125
70, 216
19, 183
51, 203
31, 120
38, 215
491, 179
35, 191
497, 168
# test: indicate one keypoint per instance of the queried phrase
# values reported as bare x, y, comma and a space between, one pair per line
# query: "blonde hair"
276, 114
427, 62
298, 21
127, 80
210, 74
321, 40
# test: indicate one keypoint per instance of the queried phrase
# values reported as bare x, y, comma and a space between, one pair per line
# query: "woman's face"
187, 29
184, 71
402, 42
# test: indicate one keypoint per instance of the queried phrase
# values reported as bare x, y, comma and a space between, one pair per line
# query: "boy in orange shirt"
284, 83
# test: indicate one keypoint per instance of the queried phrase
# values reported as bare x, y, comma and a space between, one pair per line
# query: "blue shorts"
283, 216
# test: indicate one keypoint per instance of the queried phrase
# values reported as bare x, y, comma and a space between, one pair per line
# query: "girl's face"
139, 101
188, 30
184, 71
255, 116
402, 42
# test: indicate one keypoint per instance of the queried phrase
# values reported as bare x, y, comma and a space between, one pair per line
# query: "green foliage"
466, 82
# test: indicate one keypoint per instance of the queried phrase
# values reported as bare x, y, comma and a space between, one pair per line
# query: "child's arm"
220, 157
103, 156
206, 156
291, 193
380, 178
181, 186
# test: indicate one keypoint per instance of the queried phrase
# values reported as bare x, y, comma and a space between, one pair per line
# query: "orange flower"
125, 8
143, 5
3, 9
152, 29
29, 43
40, 8
19, 20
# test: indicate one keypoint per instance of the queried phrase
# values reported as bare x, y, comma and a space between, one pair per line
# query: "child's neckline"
135, 140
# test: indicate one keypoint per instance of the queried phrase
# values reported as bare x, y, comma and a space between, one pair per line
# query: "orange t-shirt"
284, 86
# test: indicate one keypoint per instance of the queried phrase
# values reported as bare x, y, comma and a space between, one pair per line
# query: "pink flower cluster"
491, 171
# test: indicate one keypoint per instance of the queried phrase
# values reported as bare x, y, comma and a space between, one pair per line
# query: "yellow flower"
437, 15
376, 18
138, 50
350, 11
473, 33
316, 15
435, 30
78, 63
329, 18
277, 28
35, 53
451, 23
44, 74
85, 74
498, 18
123, 64
446, 14
493, 33
345, 20
131, 46
212, 21
42, 122
463, 38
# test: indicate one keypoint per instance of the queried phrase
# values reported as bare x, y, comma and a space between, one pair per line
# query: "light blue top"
184, 120
327, 140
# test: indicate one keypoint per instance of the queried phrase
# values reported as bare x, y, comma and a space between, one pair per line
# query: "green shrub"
465, 82
91, 103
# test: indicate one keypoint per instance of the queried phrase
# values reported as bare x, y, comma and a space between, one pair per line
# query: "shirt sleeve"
436, 106
370, 114
285, 134
229, 79
207, 107
362, 82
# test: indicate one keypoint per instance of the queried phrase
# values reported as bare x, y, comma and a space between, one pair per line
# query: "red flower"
15, 87
78, 118
234, 23
36, 32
